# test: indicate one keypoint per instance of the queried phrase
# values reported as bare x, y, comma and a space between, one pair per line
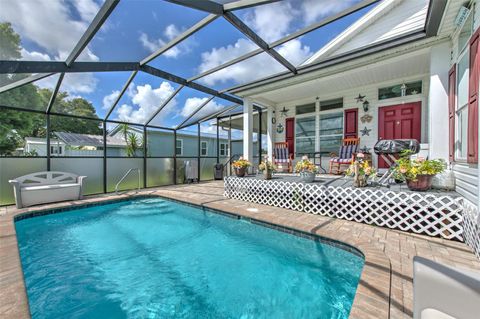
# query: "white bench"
442, 292
46, 187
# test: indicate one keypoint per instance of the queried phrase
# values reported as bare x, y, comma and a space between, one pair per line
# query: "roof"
389, 19
39, 140
76, 139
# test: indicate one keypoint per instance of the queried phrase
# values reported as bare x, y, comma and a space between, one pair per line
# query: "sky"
136, 28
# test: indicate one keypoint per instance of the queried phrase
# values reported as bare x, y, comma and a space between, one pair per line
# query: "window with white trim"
179, 147
331, 131
224, 149
203, 148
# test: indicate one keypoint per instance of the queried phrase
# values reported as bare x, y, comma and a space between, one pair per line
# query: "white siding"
408, 16
466, 179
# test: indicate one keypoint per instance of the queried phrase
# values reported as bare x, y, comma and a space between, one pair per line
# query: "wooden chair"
281, 157
339, 162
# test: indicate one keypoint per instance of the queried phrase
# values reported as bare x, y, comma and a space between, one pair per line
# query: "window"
224, 149
331, 132
462, 106
179, 147
203, 148
331, 104
305, 134
389, 92
304, 109
56, 150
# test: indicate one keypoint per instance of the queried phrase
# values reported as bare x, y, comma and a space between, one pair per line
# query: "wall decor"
365, 105
365, 149
360, 98
366, 131
284, 111
279, 128
367, 118
274, 120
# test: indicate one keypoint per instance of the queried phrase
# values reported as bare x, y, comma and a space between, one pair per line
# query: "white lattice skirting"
421, 213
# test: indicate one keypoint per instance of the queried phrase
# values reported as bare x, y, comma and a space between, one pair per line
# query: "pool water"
154, 258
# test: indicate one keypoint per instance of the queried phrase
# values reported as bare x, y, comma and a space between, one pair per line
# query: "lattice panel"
421, 213
471, 225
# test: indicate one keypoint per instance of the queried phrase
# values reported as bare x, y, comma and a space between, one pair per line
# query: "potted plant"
240, 166
418, 172
361, 171
306, 169
267, 168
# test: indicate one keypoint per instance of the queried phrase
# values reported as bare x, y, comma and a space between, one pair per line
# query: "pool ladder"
125, 175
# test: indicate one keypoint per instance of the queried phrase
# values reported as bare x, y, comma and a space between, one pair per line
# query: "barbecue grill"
389, 150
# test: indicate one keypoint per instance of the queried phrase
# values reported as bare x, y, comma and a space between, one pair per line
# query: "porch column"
248, 129
438, 133
270, 137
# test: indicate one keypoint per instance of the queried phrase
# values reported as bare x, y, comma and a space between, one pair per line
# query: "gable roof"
76, 139
387, 20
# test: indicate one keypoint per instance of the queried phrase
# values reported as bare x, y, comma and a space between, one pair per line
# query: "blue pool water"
153, 258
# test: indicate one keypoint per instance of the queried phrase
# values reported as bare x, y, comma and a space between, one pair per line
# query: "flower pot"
267, 174
307, 177
423, 183
240, 172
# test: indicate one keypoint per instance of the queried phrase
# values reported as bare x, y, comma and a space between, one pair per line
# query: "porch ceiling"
416, 63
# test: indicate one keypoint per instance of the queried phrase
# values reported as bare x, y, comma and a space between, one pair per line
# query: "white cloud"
271, 22
314, 10
50, 24
108, 100
34, 55
170, 32
191, 104
253, 68
146, 101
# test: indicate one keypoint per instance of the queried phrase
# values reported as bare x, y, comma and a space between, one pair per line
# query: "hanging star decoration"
367, 118
360, 98
366, 131
365, 149
284, 111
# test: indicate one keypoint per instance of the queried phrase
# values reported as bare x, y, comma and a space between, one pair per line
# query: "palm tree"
124, 129
132, 144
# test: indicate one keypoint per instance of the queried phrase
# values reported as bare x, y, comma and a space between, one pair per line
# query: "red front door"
290, 134
399, 122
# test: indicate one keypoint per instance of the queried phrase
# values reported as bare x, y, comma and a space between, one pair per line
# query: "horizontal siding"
466, 181
409, 15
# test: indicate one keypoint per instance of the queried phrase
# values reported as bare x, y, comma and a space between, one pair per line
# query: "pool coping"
372, 298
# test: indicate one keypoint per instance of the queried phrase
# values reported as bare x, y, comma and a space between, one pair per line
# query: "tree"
16, 125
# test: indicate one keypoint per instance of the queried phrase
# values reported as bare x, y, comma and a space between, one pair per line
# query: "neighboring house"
425, 88
74, 144
160, 144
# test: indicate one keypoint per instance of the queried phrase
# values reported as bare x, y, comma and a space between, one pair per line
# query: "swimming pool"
155, 258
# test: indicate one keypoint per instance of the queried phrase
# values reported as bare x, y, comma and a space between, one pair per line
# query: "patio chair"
281, 158
339, 162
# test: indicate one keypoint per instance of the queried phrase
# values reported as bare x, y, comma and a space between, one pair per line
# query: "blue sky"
138, 27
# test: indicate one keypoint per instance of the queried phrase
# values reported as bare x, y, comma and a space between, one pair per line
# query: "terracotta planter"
240, 172
307, 177
267, 174
422, 184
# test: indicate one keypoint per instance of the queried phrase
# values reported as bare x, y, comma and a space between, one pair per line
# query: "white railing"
422, 213
125, 175
471, 221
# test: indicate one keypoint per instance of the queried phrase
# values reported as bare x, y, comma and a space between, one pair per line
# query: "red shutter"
290, 134
452, 97
472, 144
351, 123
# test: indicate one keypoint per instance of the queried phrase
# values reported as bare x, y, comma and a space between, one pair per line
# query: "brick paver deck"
385, 288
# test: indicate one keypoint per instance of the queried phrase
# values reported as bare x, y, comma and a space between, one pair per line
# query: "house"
383, 78
160, 144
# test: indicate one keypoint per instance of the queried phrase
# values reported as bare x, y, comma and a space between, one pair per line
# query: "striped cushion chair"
281, 157
339, 162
